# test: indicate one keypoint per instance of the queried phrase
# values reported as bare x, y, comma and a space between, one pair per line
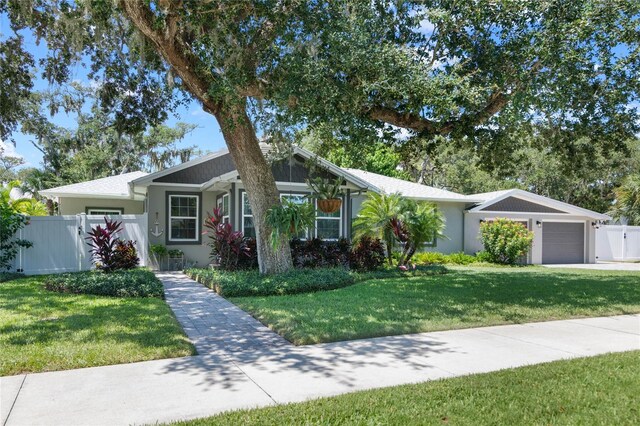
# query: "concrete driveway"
601, 266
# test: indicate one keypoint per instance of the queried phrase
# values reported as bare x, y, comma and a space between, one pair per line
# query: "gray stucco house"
177, 199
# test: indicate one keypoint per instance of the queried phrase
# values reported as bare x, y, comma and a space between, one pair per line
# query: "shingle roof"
408, 189
109, 187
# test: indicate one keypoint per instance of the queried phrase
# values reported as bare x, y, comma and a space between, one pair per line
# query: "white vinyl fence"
618, 243
59, 243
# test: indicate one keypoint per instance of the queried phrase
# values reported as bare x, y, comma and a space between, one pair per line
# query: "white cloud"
9, 150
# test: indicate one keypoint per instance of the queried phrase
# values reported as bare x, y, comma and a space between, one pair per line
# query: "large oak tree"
436, 68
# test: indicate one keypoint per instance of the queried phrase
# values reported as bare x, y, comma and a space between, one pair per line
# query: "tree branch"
171, 48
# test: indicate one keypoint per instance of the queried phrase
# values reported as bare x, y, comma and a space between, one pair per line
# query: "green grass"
42, 330
598, 391
465, 297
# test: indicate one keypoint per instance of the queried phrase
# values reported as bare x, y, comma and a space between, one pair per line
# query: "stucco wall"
472, 242
194, 252
69, 206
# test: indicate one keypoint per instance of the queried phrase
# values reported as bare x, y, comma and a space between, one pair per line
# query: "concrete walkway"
601, 266
190, 387
213, 324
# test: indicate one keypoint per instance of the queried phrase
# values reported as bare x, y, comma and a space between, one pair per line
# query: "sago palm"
374, 219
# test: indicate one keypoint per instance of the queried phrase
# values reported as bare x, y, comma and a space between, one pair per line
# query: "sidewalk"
181, 388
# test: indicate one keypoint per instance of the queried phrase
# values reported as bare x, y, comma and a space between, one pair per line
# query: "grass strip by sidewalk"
465, 297
42, 330
599, 390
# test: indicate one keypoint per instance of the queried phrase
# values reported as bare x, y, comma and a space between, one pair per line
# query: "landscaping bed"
304, 280
42, 330
465, 297
137, 282
597, 390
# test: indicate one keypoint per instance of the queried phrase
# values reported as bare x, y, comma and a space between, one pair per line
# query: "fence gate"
59, 243
618, 243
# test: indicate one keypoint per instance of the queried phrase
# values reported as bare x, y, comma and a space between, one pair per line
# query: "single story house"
178, 198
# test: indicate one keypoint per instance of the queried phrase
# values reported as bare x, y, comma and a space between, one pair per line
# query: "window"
223, 203
247, 218
328, 225
104, 211
183, 217
297, 199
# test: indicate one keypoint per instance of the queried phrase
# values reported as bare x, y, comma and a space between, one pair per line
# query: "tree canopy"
437, 68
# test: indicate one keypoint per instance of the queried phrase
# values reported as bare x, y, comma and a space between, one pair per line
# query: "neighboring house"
178, 198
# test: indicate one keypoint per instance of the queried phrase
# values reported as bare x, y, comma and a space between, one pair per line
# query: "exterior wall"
472, 242
454, 229
72, 205
157, 196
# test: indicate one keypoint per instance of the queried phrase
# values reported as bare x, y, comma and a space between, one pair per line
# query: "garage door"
562, 242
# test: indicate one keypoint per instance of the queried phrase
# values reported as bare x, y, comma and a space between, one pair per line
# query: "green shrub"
125, 283
435, 258
483, 256
505, 241
252, 283
8, 276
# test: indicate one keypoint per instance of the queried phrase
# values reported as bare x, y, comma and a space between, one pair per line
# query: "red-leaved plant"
108, 252
229, 247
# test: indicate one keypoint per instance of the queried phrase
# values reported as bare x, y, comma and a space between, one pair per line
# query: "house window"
183, 217
328, 225
297, 199
223, 204
103, 211
247, 218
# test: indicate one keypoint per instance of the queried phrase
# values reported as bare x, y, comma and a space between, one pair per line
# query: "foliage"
483, 256
159, 250
11, 222
505, 240
108, 252
121, 283
175, 253
9, 276
423, 223
47, 331
13, 197
466, 296
559, 392
430, 69
289, 219
433, 257
315, 253
325, 189
228, 247
374, 219
367, 254
252, 283
627, 204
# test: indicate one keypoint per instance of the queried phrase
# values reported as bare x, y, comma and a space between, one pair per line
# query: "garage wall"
472, 242
70, 206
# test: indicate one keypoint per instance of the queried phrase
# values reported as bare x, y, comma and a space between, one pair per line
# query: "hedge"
127, 283
308, 280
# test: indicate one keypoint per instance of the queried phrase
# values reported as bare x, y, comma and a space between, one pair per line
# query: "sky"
207, 136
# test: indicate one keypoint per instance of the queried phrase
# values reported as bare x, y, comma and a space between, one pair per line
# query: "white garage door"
562, 242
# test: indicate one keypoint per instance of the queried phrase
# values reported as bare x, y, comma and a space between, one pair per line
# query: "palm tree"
20, 204
423, 223
374, 219
627, 204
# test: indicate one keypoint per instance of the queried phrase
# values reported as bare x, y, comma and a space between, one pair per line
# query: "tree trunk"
258, 180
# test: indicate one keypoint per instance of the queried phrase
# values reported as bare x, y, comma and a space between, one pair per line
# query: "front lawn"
598, 391
42, 330
465, 297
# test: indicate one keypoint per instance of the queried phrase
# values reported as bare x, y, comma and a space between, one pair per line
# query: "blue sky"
207, 136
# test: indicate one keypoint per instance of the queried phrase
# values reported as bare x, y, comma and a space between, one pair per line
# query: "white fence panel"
60, 245
56, 243
618, 243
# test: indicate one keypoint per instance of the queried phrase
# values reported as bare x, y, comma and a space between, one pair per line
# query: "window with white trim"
328, 225
297, 199
99, 211
183, 217
248, 229
223, 204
